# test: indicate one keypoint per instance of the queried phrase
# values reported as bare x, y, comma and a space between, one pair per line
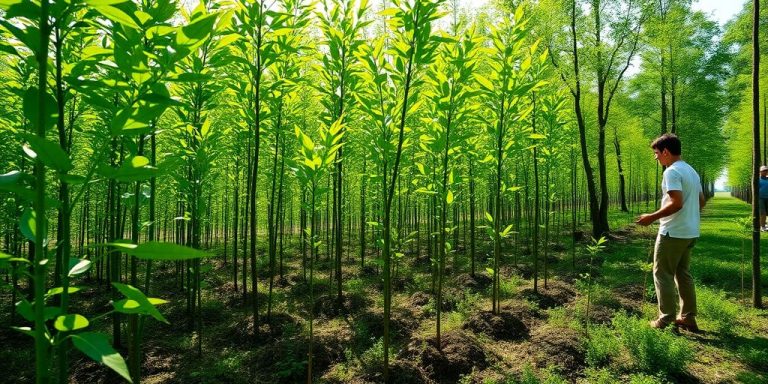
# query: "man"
763, 196
679, 219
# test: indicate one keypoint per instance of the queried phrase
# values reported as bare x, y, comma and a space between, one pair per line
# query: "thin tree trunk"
756, 287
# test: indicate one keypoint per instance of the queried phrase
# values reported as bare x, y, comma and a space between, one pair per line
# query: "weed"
469, 303
754, 357
717, 311
601, 347
561, 317
641, 378
652, 350
468, 378
529, 375
599, 376
355, 286
371, 359
508, 287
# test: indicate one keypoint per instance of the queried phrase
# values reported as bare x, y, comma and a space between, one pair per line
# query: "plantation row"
144, 132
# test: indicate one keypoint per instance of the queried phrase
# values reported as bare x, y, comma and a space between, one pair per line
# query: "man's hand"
645, 219
672, 205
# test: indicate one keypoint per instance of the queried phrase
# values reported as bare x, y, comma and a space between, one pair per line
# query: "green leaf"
506, 230
449, 197
78, 266
485, 83
282, 32
389, 12
72, 179
25, 330
68, 323
190, 77
60, 290
200, 28
144, 305
130, 306
116, 15
28, 225
96, 346
24, 8
489, 217
24, 308
137, 169
155, 250
98, 3
10, 179
50, 153
490, 271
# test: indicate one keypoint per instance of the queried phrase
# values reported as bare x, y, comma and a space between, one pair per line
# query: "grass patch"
652, 350
602, 346
718, 314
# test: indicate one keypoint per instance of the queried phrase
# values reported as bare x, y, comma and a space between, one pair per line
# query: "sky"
721, 10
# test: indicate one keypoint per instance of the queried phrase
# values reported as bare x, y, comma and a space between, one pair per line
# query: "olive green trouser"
671, 263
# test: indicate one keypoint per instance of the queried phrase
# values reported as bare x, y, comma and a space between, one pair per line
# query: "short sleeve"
673, 181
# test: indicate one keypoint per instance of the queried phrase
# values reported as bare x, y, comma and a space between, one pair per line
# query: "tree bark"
756, 287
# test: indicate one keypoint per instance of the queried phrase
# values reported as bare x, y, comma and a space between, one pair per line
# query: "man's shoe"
687, 324
659, 324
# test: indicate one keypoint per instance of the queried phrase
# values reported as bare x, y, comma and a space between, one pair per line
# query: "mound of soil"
420, 299
530, 316
369, 271
286, 359
402, 323
327, 306
157, 361
557, 294
239, 334
282, 282
557, 247
401, 283
558, 346
404, 372
301, 289
522, 270
630, 297
227, 294
451, 298
281, 324
400, 372
600, 314
479, 282
504, 326
460, 354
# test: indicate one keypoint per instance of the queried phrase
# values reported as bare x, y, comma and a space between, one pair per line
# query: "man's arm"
674, 204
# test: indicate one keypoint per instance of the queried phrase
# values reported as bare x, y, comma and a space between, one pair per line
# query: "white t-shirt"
683, 224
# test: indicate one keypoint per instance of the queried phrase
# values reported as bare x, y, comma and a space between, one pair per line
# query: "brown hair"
668, 141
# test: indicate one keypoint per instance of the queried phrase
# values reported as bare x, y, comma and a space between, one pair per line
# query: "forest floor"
583, 325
